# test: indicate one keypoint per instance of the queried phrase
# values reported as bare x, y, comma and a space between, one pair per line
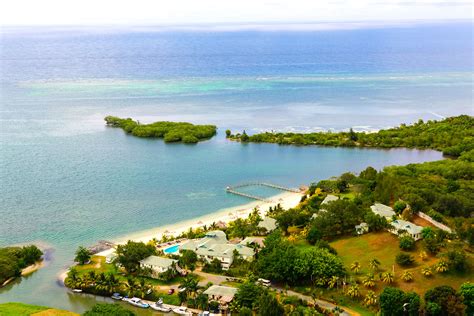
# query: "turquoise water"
67, 180
171, 249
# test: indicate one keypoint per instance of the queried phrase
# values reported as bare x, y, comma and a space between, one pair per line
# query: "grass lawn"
384, 247
20, 309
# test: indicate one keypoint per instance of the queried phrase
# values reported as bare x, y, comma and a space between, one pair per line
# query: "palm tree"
388, 277
355, 267
353, 291
369, 280
130, 285
407, 276
333, 281
72, 278
143, 288
190, 284
442, 267
370, 298
427, 271
374, 264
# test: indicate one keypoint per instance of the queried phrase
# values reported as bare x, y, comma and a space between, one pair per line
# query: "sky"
189, 12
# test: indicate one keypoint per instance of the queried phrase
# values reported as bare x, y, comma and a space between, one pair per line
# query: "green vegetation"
14, 259
453, 136
101, 309
20, 309
83, 255
169, 131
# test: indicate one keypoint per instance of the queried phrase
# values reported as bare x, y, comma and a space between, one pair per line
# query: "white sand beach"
286, 200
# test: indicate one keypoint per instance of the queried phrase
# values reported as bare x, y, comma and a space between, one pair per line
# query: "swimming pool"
171, 249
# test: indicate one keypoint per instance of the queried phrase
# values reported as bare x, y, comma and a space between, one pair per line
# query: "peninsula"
169, 131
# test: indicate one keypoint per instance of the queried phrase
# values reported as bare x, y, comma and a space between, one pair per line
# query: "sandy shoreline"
286, 200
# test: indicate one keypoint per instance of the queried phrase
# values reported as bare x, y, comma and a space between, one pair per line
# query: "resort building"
215, 246
362, 228
401, 227
158, 265
253, 241
222, 294
383, 210
329, 198
268, 223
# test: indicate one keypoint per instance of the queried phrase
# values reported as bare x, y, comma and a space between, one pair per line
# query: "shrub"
406, 243
404, 259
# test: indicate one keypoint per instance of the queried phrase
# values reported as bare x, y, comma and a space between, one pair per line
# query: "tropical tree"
83, 255
442, 266
189, 285
369, 281
130, 286
427, 271
333, 281
143, 288
387, 277
353, 291
407, 276
374, 264
268, 305
72, 278
423, 255
370, 298
355, 267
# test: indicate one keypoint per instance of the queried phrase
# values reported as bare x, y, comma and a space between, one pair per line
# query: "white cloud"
184, 12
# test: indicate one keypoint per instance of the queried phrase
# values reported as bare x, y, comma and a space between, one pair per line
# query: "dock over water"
234, 190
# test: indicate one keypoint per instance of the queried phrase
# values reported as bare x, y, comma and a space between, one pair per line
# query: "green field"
20, 309
384, 247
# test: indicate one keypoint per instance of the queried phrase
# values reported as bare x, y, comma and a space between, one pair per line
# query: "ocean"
68, 180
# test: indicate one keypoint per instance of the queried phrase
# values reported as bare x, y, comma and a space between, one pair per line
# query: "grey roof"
329, 198
268, 223
411, 228
382, 210
220, 290
161, 262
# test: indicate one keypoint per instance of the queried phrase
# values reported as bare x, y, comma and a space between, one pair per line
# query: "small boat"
158, 306
135, 301
117, 296
182, 310
77, 290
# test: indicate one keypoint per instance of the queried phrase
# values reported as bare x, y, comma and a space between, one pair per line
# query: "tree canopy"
169, 131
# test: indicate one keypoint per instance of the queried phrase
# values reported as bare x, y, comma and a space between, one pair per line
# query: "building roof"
253, 240
382, 210
411, 228
329, 198
268, 223
220, 290
156, 261
224, 250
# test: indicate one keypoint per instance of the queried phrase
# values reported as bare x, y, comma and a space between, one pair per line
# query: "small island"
169, 131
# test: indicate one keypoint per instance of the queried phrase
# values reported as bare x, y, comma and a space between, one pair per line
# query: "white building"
158, 265
362, 228
215, 246
268, 223
383, 210
401, 227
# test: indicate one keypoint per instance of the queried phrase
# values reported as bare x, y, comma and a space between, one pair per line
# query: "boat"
182, 310
117, 296
158, 306
135, 301
77, 290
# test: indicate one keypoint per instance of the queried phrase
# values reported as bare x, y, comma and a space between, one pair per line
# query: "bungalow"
158, 265
383, 210
215, 246
222, 294
268, 223
401, 227
362, 228
329, 198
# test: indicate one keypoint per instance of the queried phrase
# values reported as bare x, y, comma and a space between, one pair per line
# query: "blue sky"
192, 12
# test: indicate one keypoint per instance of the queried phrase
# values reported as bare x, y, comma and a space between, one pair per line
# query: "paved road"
219, 279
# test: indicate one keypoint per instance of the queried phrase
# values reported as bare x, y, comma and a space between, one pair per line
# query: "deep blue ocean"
67, 180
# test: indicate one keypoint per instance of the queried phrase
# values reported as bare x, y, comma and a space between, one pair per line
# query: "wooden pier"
232, 189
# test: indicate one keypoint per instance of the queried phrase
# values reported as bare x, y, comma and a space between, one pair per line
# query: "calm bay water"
67, 180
